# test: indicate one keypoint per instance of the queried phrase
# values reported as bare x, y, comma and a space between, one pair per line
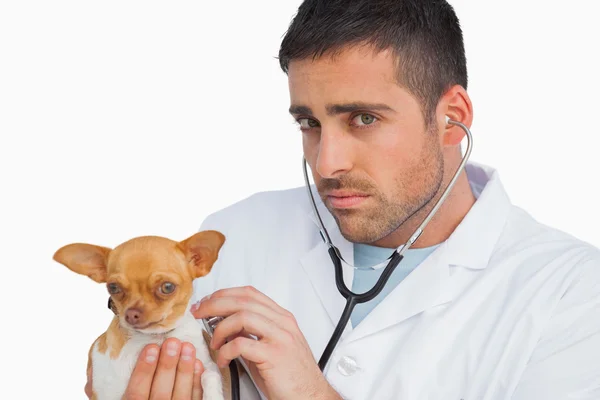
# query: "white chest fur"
111, 376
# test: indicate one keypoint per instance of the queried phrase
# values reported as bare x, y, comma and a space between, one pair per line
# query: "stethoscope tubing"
352, 299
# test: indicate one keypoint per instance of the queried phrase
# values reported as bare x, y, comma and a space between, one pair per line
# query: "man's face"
364, 137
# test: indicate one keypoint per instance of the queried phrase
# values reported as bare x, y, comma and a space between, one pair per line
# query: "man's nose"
133, 316
334, 156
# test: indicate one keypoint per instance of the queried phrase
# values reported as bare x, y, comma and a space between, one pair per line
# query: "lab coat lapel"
469, 246
425, 287
319, 267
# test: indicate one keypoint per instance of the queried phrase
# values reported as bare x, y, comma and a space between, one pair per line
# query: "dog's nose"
133, 315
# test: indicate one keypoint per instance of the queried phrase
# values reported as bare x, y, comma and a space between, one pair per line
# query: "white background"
123, 118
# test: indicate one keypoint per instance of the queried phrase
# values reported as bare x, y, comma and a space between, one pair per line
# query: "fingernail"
186, 353
172, 349
151, 355
195, 306
197, 366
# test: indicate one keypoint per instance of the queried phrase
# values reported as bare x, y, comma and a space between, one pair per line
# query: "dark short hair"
425, 35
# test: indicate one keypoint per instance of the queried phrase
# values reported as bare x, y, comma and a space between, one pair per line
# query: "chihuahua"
149, 280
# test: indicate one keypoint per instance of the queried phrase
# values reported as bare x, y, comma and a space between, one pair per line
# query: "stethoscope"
352, 299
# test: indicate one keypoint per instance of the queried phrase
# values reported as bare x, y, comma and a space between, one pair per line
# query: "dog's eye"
167, 288
113, 288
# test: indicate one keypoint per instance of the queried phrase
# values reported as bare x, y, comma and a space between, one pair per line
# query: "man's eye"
364, 119
307, 123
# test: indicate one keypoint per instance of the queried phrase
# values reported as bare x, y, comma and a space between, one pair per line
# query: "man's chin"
352, 227
361, 227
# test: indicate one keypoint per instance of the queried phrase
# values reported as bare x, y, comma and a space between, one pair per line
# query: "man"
487, 304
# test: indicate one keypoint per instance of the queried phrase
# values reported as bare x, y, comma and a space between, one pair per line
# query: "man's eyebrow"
300, 110
335, 109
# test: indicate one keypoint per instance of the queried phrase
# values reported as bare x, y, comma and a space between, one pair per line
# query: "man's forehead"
352, 70
342, 83
350, 61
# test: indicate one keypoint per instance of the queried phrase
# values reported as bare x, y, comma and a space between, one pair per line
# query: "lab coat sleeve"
565, 364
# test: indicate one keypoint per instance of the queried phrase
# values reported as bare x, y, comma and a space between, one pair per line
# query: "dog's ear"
84, 259
202, 250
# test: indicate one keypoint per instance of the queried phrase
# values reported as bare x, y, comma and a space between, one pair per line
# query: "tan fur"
116, 337
141, 264
103, 343
139, 268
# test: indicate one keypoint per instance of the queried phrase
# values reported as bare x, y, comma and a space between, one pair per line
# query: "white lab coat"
506, 308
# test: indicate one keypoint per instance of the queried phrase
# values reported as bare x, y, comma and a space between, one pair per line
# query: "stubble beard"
389, 214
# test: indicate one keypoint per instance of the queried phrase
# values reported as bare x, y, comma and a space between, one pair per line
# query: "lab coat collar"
474, 239
470, 245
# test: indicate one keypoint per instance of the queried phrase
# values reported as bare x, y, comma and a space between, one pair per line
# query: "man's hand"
281, 361
170, 372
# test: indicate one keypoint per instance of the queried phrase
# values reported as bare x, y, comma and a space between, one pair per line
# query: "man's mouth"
345, 199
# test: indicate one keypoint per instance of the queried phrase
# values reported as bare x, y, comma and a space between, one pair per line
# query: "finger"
249, 292
225, 306
243, 333
249, 349
184, 379
248, 322
197, 388
140, 381
164, 379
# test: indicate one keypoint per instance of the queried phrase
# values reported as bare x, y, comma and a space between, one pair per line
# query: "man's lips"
342, 199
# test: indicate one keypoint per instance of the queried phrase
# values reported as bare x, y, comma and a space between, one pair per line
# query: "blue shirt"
365, 279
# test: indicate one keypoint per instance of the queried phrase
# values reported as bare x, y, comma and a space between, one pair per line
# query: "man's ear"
202, 250
84, 259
